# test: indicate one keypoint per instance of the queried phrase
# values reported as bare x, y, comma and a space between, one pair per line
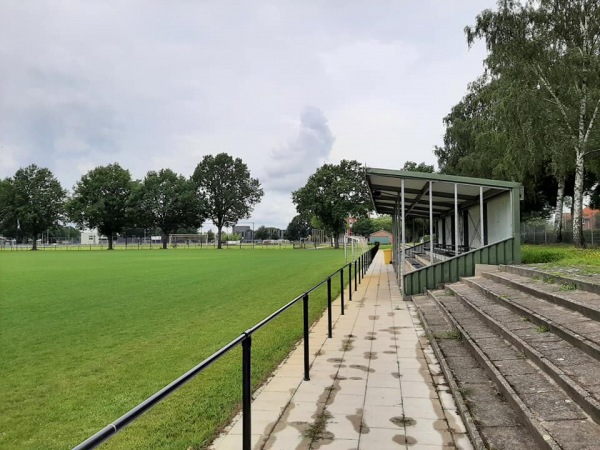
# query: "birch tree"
557, 44
500, 130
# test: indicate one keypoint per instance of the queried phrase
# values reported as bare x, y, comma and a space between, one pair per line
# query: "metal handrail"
245, 339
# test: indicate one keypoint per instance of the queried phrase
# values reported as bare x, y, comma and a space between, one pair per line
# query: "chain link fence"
543, 233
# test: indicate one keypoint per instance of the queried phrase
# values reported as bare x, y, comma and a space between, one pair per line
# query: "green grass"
562, 255
85, 336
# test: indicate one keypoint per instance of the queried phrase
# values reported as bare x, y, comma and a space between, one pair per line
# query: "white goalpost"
187, 239
354, 242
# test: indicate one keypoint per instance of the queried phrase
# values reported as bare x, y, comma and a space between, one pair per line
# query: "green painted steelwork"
450, 271
436, 177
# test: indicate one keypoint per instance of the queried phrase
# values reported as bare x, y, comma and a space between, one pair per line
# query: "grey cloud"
160, 84
291, 164
53, 117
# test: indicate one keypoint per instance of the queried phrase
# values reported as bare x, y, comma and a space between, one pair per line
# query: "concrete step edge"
564, 381
463, 410
539, 433
576, 340
551, 297
533, 272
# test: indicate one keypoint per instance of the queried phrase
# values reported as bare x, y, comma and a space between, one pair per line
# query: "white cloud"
152, 85
292, 163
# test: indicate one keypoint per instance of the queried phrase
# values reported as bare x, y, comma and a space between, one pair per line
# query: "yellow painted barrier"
387, 256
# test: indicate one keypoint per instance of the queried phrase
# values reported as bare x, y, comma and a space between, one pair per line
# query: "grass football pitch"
85, 336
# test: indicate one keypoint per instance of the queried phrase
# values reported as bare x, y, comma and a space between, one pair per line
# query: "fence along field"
87, 335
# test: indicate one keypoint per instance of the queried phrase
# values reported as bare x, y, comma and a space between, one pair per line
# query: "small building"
89, 237
382, 237
590, 218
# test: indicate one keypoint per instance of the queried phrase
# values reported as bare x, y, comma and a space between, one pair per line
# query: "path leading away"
375, 385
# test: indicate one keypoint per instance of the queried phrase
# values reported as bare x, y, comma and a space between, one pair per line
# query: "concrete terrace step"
572, 326
492, 423
564, 293
543, 406
589, 283
568, 366
424, 259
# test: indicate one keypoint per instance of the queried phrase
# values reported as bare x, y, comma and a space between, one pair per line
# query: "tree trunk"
165, 240
578, 238
336, 239
34, 246
110, 241
219, 230
558, 212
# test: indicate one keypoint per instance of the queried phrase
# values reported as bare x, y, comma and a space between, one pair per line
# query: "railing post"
342, 288
306, 332
355, 275
360, 270
350, 281
247, 393
329, 318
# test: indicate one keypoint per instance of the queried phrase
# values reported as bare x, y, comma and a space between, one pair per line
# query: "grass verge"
588, 260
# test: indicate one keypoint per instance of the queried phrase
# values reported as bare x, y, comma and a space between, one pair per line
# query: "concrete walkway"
375, 385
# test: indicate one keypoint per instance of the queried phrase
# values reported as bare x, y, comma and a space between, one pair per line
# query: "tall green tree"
499, 130
363, 227
228, 191
210, 235
556, 44
102, 199
168, 201
8, 226
383, 222
262, 233
332, 193
421, 167
31, 202
298, 228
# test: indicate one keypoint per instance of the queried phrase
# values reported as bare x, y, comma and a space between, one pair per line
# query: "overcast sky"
284, 85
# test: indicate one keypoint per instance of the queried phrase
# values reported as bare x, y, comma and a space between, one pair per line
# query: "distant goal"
187, 239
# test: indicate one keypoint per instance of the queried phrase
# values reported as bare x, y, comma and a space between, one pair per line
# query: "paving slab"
375, 385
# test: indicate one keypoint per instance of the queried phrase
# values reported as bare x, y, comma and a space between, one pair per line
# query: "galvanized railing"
417, 249
361, 265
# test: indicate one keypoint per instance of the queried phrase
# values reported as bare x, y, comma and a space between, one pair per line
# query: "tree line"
220, 188
107, 198
533, 115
